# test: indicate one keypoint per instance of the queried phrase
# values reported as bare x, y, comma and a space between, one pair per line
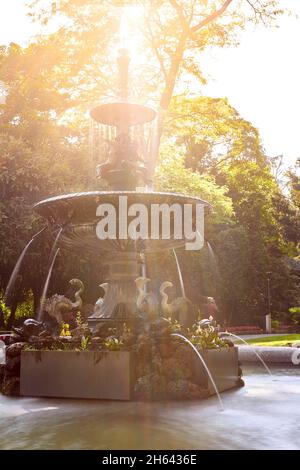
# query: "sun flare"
129, 32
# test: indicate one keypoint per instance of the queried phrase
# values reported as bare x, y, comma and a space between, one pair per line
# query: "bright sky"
261, 77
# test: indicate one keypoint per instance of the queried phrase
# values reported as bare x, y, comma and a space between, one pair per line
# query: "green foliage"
211, 134
4, 309
168, 34
252, 188
113, 344
294, 185
172, 175
274, 340
84, 343
206, 338
24, 309
295, 315
174, 326
275, 324
79, 320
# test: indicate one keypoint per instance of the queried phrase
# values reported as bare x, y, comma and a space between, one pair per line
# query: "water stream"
248, 344
13, 277
53, 249
179, 273
205, 366
46, 285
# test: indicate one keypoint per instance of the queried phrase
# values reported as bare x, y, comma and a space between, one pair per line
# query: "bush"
275, 324
24, 310
5, 310
295, 315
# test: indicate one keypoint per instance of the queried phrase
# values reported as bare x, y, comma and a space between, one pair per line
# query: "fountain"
126, 347
123, 170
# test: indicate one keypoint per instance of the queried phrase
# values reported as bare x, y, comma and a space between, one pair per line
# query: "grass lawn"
274, 340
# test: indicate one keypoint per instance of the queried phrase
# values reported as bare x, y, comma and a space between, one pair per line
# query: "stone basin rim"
74, 196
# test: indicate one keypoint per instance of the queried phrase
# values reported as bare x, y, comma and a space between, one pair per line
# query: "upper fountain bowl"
118, 114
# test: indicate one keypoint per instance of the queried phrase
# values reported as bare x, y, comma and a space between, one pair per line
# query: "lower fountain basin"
77, 214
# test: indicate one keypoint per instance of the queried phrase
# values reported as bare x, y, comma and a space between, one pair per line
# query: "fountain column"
123, 170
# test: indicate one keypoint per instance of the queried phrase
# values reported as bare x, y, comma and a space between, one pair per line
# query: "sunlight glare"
130, 37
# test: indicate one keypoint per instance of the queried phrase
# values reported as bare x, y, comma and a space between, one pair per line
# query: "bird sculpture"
177, 309
206, 322
146, 302
99, 303
57, 305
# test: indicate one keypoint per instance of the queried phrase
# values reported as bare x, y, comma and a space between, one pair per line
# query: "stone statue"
177, 309
146, 302
99, 303
124, 163
57, 305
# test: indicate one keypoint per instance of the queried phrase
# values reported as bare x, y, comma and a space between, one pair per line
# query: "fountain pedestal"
119, 302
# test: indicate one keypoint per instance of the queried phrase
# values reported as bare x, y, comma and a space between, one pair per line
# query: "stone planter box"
71, 374
223, 365
110, 375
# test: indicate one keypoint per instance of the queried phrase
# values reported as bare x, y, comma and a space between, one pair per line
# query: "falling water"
179, 274
16, 269
205, 366
45, 290
53, 249
52, 257
211, 251
2, 352
214, 260
254, 350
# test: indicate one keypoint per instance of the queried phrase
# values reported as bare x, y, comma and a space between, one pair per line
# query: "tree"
260, 228
39, 157
212, 134
171, 175
294, 184
170, 33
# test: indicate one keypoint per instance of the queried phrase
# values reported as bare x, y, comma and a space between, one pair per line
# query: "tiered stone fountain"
133, 352
124, 172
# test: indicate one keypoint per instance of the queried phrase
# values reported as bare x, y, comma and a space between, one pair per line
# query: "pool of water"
265, 414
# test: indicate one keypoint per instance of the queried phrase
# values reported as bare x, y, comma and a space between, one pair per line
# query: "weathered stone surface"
15, 349
157, 387
13, 364
11, 386
2, 371
72, 374
270, 355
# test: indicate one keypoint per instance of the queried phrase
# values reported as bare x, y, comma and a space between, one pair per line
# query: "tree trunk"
173, 73
167, 94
